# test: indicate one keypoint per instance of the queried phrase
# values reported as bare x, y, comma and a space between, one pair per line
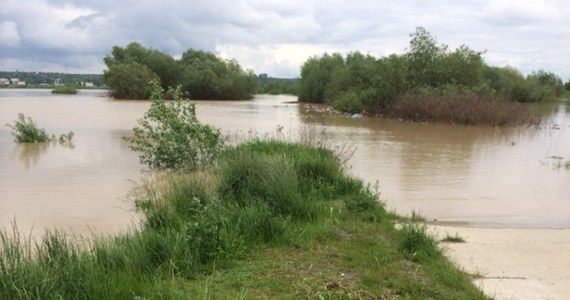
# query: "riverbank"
513, 263
272, 220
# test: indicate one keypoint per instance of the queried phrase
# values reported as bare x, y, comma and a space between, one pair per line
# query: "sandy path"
513, 263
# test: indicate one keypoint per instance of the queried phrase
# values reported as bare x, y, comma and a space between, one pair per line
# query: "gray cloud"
275, 37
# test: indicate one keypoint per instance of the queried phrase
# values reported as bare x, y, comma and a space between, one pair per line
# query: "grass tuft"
456, 238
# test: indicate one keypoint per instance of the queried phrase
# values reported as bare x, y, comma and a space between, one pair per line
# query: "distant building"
21, 82
4, 81
87, 84
14, 81
57, 81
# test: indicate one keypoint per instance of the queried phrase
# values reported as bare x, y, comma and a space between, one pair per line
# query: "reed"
462, 107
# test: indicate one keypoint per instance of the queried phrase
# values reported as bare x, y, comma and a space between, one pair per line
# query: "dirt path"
513, 263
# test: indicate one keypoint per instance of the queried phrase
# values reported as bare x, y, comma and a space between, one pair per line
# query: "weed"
456, 238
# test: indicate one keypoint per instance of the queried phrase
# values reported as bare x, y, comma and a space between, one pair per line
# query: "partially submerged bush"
64, 89
170, 136
25, 130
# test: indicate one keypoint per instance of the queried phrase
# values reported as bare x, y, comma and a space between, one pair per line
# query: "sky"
276, 37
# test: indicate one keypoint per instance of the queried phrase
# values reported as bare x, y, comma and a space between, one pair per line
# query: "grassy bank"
270, 220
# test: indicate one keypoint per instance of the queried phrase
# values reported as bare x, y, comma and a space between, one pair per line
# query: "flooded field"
480, 176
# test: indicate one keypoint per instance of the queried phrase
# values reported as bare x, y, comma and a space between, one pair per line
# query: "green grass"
271, 220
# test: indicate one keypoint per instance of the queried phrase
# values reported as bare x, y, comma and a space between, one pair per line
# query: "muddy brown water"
477, 176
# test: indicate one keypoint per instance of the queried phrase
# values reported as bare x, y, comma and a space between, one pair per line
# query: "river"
475, 176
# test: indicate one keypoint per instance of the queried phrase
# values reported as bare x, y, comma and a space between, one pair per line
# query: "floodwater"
477, 176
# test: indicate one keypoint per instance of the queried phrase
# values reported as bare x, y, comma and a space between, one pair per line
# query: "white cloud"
9, 35
275, 37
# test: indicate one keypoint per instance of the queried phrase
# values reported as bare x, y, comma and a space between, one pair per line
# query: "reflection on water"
480, 175
30, 153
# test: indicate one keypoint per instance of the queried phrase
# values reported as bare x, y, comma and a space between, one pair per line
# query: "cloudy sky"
277, 36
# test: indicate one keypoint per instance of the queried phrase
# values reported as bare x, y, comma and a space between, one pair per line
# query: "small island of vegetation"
428, 82
201, 75
67, 89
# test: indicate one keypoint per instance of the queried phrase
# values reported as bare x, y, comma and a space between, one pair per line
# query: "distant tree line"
358, 82
200, 74
276, 86
51, 78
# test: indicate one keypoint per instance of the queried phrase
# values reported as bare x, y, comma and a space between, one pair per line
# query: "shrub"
170, 136
348, 102
25, 130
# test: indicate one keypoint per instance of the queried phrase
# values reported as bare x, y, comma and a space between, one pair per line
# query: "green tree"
205, 76
463, 67
424, 57
316, 75
129, 80
201, 74
549, 80
390, 81
165, 67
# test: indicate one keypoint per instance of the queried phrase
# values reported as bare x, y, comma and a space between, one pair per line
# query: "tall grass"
462, 107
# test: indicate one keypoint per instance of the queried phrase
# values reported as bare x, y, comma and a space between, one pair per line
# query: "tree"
201, 74
205, 76
129, 80
423, 58
316, 75
548, 79
463, 67
165, 67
